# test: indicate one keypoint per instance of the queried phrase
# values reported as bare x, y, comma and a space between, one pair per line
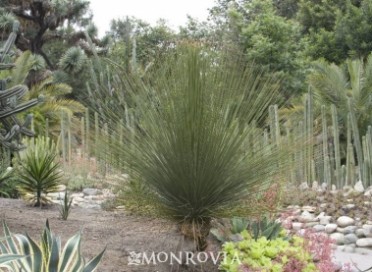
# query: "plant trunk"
197, 232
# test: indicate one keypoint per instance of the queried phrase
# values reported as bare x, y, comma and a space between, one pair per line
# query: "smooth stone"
367, 229
319, 228
325, 220
297, 225
364, 242
347, 230
321, 215
350, 238
306, 217
339, 238
311, 224
77, 195
344, 221
330, 228
303, 186
78, 199
359, 187
314, 186
323, 205
368, 192
90, 191
360, 233
349, 206
309, 209
56, 196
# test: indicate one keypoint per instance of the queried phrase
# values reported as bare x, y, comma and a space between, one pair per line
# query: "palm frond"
21, 69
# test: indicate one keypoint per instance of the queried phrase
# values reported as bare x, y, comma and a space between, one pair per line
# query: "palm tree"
187, 144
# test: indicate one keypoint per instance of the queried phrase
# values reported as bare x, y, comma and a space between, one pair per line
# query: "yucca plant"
188, 140
45, 256
39, 172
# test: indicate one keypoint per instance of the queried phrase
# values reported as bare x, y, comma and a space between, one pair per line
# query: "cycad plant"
191, 143
39, 172
21, 253
340, 86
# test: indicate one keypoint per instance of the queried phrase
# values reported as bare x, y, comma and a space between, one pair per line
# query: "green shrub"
47, 255
39, 170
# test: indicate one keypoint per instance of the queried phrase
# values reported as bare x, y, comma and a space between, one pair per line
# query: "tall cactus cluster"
320, 158
11, 128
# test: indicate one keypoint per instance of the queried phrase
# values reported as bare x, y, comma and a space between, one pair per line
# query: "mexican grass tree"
191, 142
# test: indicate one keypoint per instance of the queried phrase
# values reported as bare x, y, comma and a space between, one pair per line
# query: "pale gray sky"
174, 11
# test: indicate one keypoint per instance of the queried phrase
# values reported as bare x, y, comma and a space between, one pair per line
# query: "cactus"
326, 162
12, 129
356, 138
87, 134
350, 163
336, 143
63, 139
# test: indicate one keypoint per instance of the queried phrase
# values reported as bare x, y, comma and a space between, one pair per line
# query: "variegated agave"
21, 253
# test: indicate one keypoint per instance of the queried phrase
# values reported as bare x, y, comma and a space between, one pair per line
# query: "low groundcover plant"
310, 252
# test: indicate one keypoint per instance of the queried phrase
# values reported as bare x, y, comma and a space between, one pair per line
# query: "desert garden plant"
39, 172
190, 140
65, 207
294, 253
46, 256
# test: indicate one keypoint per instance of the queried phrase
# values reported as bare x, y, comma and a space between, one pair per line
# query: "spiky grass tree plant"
188, 142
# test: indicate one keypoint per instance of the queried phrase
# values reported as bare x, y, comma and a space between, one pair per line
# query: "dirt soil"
121, 233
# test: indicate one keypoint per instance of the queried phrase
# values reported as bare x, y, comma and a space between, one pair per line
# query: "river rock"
349, 229
90, 191
339, 238
358, 187
350, 238
367, 230
303, 186
364, 242
306, 217
319, 228
344, 221
315, 186
360, 233
325, 220
330, 228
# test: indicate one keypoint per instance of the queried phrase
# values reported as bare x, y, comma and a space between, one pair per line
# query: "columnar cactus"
12, 128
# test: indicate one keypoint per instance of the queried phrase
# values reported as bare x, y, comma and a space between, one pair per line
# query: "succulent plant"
22, 253
12, 128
